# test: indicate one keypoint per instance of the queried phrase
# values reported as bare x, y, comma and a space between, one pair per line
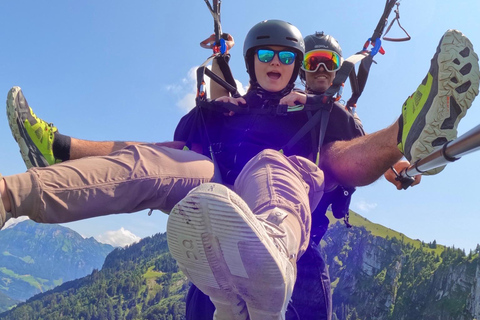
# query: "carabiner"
377, 47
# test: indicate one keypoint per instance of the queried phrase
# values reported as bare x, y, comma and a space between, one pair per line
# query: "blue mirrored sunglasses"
266, 55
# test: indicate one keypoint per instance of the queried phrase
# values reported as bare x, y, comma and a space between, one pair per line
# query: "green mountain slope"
139, 282
37, 257
377, 273
6, 302
384, 232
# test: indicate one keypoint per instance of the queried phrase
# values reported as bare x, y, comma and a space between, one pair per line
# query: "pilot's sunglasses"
330, 60
266, 55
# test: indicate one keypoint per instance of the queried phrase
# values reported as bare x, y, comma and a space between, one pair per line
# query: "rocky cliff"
375, 277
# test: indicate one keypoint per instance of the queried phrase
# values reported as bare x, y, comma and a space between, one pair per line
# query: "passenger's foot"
33, 135
431, 115
230, 255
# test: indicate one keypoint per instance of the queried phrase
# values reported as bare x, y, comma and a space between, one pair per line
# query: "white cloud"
119, 238
241, 88
186, 90
187, 102
14, 221
364, 206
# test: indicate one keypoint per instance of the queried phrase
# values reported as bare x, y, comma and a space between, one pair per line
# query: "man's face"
273, 76
319, 80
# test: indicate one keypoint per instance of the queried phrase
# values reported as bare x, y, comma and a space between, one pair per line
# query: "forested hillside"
139, 282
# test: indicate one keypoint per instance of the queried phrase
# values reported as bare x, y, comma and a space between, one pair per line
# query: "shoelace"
49, 126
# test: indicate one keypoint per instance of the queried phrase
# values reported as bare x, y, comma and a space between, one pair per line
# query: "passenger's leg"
135, 178
238, 256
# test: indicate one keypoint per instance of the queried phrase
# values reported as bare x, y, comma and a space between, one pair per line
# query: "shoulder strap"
203, 70
314, 102
222, 61
358, 82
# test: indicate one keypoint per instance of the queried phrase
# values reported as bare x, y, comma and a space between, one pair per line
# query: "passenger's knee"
269, 155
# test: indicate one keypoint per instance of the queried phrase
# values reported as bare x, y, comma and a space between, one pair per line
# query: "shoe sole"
455, 65
223, 249
30, 153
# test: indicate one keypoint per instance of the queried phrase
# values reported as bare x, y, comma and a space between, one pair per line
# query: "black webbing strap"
201, 86
359, 81
215, 12
222, 62
322, 112
382, 22
321, 136
353, 81
203, 70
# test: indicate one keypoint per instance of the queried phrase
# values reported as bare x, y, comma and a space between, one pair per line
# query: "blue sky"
122, 70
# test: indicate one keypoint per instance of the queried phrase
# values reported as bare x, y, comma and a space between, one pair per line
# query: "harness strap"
222, 61
322, 114
382, 22
323, 129
228, 84
199, 117
215, 12
346, 70
201, 89
360, 80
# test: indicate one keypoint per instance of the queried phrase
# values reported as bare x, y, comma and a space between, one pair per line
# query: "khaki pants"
153, 177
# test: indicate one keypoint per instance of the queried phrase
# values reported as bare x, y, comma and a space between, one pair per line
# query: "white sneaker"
230, 255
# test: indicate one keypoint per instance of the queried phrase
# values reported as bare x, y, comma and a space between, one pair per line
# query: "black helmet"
320, 40
273, 33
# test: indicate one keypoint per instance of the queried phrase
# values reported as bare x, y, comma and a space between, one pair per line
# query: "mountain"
6, 302
37, 257
141, 281
376, 273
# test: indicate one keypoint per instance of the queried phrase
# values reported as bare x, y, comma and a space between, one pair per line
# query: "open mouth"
274, 75
321, 76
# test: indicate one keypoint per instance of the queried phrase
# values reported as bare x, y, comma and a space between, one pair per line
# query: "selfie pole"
449, 152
